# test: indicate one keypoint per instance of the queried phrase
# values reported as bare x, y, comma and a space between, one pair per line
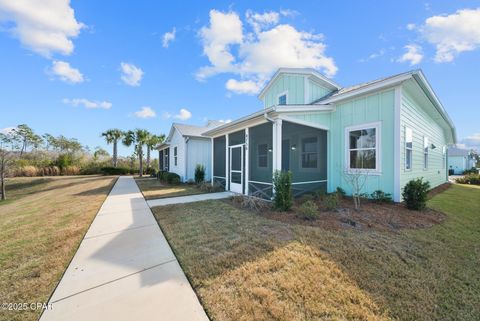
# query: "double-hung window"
262, 154
363, 148
408, 148
310, 152
175, 158
425, 152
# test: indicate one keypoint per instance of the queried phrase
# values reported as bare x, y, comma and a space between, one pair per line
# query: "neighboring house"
392, 129
460, 160
184, 148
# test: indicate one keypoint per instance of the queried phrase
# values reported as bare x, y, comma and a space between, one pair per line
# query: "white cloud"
242, 87
89, 104
7, 130
453, 34
183, 114
413, 55
255, 56
131, 74
145, 112
226, 121
65, 72
168, 37
45, 27
471, 142
411, 26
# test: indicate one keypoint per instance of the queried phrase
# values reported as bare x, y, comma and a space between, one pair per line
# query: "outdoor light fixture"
433, 146
294, 147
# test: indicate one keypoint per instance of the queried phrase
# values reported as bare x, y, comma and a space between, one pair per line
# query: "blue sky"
78, 68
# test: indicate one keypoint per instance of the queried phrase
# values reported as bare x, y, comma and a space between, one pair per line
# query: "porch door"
236, 168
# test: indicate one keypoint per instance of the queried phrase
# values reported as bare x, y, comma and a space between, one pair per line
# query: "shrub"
472, 170
64, 160
162, 175
151, 171
308, 210
70, 170
319, 194
415, 194
331, 201
199, 173
207, 187
341, 192
473, 179
173, 178
115, 171
282, 183
90, 171
380, 196
28, 171
250, 203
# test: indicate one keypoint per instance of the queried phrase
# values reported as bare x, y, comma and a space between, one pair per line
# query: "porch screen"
236, 138
219, 146
260, 161
304, 153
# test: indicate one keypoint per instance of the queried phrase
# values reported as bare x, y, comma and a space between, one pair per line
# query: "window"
425, 152
175, 158
282, 99
309, 152
444, 156
262, 155
408, 148
362, 144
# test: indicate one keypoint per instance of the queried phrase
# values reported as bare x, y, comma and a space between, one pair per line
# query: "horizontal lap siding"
422, 124
368, 109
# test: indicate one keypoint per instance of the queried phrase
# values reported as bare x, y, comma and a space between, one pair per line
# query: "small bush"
380, 196
307, 197
151, 171
250, 203
341, 192
173, 178
472, 170
91, 171
283, 198
199, 173
415, 194
308, 210
70, 170
473, 179
331, 201
28, 171
162, 176
64, 160
319, 194
207, 187
115, 171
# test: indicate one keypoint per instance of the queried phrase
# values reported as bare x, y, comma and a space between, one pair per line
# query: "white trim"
256, 182
227, 168
235, 186
310, 182
280, 95
212, 155
303, 122
425, 161
247, 160
396, 144
219, 176
378, 148
405, 149
278, 153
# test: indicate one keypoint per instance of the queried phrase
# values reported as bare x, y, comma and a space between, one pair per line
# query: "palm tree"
152, 141
141, 138
112, 136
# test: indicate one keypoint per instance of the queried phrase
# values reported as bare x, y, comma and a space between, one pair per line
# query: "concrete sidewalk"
189, 198
124, 268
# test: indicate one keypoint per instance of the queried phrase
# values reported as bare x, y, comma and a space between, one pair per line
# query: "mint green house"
390, 130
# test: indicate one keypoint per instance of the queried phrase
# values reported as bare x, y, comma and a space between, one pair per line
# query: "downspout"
265, 114
186, 158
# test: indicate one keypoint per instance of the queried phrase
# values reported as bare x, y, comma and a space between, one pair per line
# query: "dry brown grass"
152, 188
41, 227
244, 266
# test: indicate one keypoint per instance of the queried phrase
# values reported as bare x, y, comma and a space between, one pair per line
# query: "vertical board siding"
179, 142
319, 118
316, 91
199, 152
294, 84
373, 108
412, 115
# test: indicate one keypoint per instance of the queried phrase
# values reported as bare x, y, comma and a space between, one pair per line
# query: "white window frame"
378, 148
286, 98
175, 156
425, 153
408, 149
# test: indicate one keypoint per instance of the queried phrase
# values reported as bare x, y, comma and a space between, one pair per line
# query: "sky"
77, 68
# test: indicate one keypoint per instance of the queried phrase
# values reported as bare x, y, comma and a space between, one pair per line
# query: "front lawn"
41, 226
152, 188
244, 266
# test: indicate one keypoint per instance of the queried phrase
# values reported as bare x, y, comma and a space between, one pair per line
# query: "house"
389, 130
460, 160
184, 148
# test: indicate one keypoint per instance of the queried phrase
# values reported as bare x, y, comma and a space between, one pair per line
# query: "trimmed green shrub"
331, 201
173, 178
151, 171
115, 171
199, 173
282, 183
415, 194
91, 171
380, 196
473, 179
308, 210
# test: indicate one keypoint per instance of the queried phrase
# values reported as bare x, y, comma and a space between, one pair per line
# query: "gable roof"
190, 130
318, 77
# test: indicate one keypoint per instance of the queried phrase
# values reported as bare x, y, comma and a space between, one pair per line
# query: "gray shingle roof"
196, 131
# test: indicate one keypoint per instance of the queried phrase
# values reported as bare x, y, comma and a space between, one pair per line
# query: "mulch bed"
371, 216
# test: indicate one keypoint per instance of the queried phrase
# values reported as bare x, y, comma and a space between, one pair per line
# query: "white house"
184, 148
460, 160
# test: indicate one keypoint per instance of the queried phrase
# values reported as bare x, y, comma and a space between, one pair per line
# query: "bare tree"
8, 151
357, 180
